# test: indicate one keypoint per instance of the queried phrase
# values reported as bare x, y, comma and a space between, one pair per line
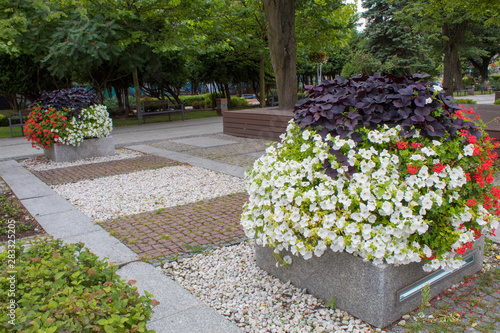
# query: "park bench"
151, 108
18, 121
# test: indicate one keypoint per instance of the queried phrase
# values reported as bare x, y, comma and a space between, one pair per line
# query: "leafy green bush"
468, 80
148, 99
4, 121
199, 104
237, 102
65, 288
188, 100
497, 102
465, 101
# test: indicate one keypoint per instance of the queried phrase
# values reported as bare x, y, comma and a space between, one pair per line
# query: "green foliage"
331, 303
497, 102
198, 104
426, 296
465, 101
4, 121
468, 80
237, 102
393, 42
65, 288
188, 100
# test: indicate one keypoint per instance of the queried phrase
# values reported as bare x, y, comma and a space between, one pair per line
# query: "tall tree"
481, 45
280, 18
449, 19
397, 45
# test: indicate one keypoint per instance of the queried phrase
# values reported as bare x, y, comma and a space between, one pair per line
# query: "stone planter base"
88, 148
378, 295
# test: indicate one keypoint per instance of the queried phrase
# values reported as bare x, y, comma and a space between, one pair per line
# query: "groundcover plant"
386, 168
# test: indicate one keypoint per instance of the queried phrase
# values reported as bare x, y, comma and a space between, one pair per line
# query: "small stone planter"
96, 147
378, 295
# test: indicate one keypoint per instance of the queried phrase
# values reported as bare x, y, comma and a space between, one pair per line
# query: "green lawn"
5, 131
464, 94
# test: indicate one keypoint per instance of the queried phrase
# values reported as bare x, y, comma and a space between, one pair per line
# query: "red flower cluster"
438, 167
461, 250
402, 145
42, 124
413, 169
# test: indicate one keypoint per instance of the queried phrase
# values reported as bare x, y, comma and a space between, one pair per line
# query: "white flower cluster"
94, 123
377, 213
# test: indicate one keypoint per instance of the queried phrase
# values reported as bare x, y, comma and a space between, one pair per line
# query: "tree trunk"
174, 94
137, 88
452, 39
262, 82
482, 67
280, 17
459, 82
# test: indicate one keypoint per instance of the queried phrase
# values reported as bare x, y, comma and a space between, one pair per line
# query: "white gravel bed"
40, 163
126, 194
228, 280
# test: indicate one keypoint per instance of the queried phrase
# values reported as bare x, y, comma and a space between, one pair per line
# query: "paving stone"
184, 228
105, 246
67, 224
178, 311
47, 205
204, 142
103, 169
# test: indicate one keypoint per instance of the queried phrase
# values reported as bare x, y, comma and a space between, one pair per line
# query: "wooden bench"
18, 121
151, 108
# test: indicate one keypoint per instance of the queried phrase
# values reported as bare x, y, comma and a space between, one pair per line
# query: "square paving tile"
204, 142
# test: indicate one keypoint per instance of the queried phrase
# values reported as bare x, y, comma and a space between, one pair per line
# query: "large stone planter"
88, 148
378, 295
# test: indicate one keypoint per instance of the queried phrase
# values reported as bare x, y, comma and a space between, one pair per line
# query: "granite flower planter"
378, 295
96, 147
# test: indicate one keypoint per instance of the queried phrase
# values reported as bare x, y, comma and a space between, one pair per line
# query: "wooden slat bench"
151, 108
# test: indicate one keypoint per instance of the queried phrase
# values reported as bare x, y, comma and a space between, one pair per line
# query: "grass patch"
195, 248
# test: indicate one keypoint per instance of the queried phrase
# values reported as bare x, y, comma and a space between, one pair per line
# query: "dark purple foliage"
74, 99
340, 106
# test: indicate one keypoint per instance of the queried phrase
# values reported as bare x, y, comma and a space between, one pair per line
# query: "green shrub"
188, 100
148, 99
4, 121
465, 101
208, 102
497, 102
237, 102
468, 80
65, 288
199, 104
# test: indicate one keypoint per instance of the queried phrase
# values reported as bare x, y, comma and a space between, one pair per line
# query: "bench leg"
182, 115
169, 118
11, 134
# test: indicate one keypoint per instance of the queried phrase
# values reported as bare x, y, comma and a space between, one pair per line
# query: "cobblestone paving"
96, 170
162, 235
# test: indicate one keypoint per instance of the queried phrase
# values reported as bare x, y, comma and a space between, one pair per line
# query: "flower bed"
385, 168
